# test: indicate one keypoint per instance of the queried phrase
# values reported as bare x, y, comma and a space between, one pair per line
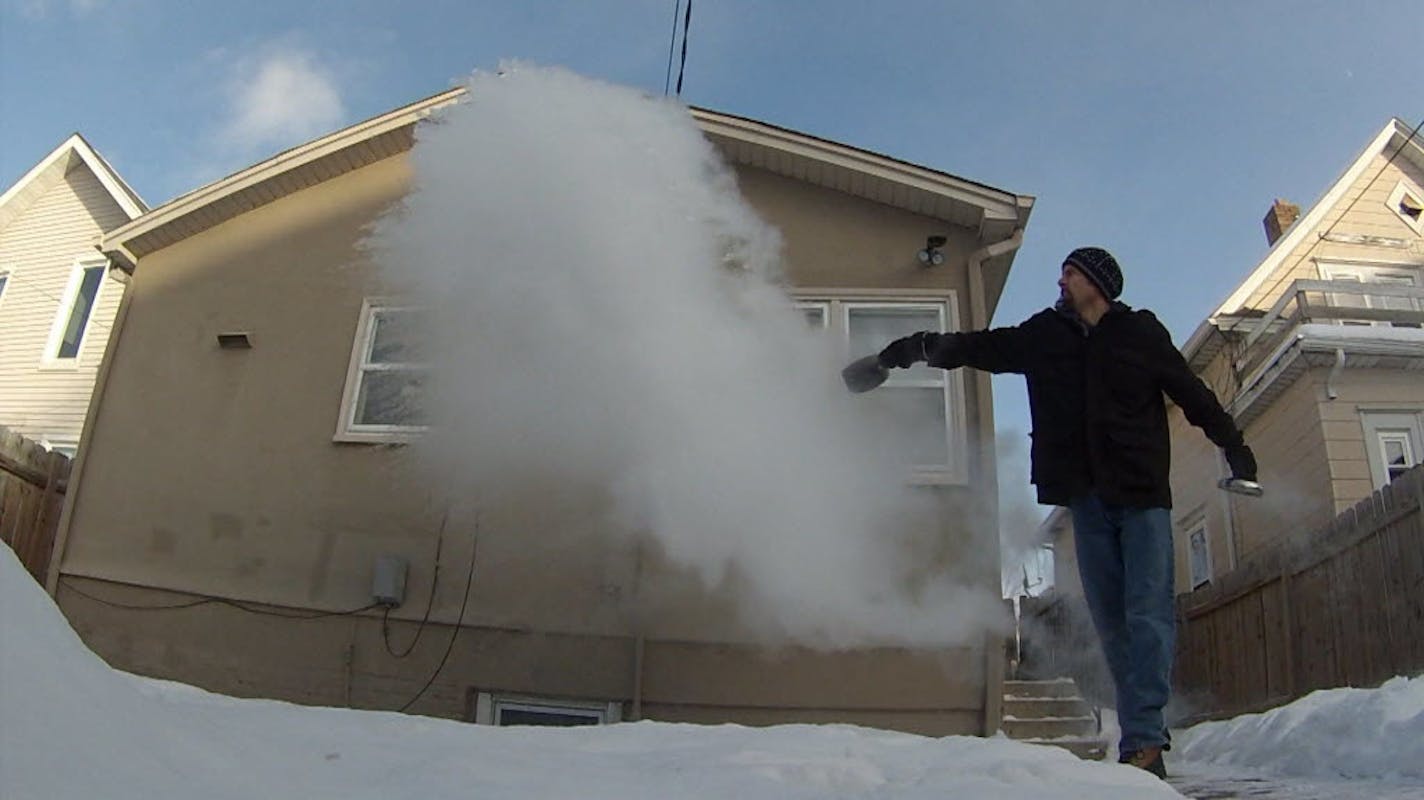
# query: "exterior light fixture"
932, 256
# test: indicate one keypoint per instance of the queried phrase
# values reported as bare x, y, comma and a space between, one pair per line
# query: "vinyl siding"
1290, 449
1359, 392
1369, 215
40, 249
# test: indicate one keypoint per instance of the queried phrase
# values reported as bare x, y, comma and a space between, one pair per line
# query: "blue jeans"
1125, 559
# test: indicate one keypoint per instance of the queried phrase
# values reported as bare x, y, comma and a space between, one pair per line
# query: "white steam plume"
606, 311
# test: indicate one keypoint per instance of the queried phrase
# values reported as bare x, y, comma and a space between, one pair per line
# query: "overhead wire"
686, 23
672, 44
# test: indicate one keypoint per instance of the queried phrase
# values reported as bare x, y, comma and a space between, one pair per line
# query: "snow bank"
1332, 733
72, 727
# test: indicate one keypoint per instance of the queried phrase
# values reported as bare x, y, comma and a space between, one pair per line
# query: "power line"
1363, 191
686, 23
12, 278
672, 43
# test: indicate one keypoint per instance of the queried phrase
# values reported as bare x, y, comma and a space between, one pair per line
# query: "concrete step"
1050, 727
1033, 707
1059, 687
1084, 747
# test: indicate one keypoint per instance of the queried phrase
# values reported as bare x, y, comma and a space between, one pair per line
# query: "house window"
1392, 442
76, 311
917, 399
385, 383
818, 315
1407, 202
1200, 554
507, 710
1383, 275
4, 279
922, 408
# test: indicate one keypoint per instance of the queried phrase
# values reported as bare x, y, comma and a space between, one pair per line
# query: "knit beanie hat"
1100, 267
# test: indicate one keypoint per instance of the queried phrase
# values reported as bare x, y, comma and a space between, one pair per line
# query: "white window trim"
945, 303
1375, 422
824, 306
61, 445
1365, 272
1198, 581
1402, 188
346, 430
489, 704
51, 359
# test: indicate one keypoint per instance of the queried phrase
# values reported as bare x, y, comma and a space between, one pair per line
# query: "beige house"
57, 301
1319, 354
231, 475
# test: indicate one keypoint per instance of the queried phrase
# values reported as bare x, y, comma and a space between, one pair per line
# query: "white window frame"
822, 306
1381, 424
490, 705
346, 428
1367, 272
51, 359
1195, 533
1401, 190
69, 448
838, 304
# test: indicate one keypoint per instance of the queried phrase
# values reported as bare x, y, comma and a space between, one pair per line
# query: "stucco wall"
213, 472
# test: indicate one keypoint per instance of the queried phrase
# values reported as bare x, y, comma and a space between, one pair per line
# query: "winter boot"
1148, 758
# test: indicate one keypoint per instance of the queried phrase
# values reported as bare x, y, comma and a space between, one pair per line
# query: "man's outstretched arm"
995, 350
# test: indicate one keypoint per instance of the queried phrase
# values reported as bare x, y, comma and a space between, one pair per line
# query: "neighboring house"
228, 459
57, 302
1319, 354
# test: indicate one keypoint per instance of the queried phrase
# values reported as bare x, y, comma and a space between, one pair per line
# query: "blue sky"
1161, 131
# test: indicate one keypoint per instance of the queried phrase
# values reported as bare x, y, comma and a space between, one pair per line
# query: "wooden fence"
1342, 606
32, 486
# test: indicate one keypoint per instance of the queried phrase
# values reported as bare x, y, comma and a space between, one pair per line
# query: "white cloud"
278, 100
41, 9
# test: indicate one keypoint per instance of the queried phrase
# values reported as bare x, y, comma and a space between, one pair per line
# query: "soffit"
992, 213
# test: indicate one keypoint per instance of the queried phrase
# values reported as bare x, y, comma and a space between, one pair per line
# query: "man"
1096, 372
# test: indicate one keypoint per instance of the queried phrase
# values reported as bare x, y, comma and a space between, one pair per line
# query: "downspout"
983, 399
122, 271
1339, 366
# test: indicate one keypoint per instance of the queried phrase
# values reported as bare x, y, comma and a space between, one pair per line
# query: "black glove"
904, 352
1242, 462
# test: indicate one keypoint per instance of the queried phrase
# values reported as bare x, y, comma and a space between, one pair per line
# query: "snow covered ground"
1366, 743
71, 727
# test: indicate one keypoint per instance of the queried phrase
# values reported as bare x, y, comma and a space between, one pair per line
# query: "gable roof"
1395, 136
51, 169
995, 213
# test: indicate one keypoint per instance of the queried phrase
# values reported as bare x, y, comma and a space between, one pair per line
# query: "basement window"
508, 710
1407, 202
384, 398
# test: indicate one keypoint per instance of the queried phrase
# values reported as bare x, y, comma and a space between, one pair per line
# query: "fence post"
1288, 623
41, 533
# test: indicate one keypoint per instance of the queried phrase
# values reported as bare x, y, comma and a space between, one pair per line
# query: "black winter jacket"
1095, 396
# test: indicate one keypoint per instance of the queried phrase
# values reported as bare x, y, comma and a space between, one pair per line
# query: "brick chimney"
1279, 219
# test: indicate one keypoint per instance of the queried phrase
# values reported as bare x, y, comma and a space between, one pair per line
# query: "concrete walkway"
1207, 782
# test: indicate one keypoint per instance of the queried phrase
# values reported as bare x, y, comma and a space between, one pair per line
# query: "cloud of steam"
606, 310
1020, 540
